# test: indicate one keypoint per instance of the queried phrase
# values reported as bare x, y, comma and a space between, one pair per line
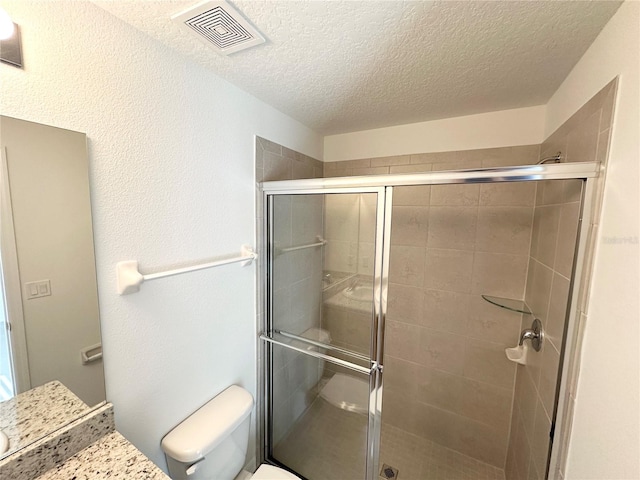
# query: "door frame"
11, 285
380, 284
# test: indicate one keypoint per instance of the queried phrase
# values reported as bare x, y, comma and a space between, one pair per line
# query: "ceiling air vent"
220, 25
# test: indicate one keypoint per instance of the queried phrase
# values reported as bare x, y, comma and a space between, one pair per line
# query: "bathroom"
172, 175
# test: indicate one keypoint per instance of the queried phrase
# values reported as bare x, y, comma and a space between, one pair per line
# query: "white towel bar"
320, 242
130, 279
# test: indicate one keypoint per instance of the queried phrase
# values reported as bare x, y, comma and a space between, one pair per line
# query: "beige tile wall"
550, 268
297, 278
583, 138
446, 377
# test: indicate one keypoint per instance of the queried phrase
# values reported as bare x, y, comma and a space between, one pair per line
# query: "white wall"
171, 152
505, 128
605, 440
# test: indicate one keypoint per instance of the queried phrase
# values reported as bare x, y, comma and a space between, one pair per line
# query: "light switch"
41, 288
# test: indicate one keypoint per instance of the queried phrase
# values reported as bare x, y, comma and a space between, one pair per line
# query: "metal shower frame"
383, 186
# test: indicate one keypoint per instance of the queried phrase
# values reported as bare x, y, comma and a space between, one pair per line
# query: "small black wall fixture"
11, 48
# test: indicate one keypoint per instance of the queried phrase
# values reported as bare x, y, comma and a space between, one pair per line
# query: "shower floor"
328, 443
418, 458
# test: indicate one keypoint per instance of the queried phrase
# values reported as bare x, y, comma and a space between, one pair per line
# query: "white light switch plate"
41, 288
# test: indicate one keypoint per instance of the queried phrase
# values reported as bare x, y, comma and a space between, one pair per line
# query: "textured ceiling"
342, 66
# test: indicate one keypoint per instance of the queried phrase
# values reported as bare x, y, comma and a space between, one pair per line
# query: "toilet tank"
212, 442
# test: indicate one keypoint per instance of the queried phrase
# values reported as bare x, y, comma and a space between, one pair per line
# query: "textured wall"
171, 152
505, 128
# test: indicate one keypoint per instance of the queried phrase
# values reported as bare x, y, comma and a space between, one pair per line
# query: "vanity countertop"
32, 414
110, 457
335, 296
88, 447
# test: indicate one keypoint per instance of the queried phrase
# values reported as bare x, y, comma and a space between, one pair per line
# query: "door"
321, 335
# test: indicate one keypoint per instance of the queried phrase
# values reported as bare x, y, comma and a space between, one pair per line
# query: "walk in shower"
389, 303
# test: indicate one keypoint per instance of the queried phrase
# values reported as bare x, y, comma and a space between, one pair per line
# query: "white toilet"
211, 444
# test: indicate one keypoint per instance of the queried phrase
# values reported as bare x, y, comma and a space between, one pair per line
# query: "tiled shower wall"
297, 277
446, 375
583, 138
553, 243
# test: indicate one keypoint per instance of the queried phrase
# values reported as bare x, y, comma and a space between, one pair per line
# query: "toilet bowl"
347, 393
211, 444
343, 391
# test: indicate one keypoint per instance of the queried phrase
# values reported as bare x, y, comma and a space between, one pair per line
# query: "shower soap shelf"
130, 279
508, 303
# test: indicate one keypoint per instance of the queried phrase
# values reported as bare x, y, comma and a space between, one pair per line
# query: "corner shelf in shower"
508, 303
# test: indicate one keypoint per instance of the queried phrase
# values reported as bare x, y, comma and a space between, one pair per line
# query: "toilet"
211, 444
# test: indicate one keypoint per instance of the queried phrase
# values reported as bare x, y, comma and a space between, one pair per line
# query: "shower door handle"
375, 366
322, 356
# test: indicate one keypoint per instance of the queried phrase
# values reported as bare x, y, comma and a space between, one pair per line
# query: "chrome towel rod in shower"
130, 279
320, 242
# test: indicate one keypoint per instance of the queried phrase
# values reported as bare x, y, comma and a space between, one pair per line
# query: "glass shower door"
321, 332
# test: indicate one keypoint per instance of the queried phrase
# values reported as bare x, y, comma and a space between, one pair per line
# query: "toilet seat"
269, 472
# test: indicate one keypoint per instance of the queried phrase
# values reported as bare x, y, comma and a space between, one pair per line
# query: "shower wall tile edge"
582, 125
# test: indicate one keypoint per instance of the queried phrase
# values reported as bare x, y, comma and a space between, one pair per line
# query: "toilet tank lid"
203, 430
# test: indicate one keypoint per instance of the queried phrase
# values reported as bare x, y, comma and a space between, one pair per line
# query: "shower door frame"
384, 184
380, 285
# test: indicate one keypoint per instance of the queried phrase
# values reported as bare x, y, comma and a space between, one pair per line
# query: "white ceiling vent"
219, 25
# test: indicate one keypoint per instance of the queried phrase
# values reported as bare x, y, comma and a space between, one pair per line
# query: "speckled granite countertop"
83, 444
111, 457
37, 412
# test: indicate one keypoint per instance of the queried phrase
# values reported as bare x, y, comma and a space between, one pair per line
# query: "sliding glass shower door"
323, 303
438, 277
